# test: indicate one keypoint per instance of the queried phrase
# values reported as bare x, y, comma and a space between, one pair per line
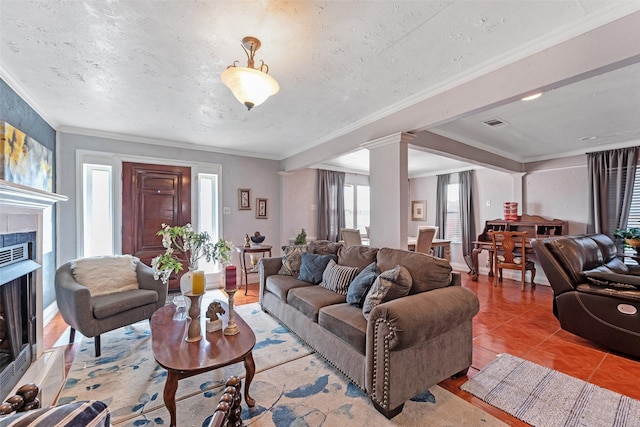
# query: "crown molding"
162, 142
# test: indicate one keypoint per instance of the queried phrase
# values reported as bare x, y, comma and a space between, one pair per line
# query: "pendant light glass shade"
250, 86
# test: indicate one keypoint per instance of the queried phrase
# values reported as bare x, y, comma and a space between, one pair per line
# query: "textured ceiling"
151, 69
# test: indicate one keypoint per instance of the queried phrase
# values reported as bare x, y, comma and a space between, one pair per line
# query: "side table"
242, 252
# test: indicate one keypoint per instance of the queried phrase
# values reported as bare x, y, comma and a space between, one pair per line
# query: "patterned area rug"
292, 387
308, 392
543, 397
128, 379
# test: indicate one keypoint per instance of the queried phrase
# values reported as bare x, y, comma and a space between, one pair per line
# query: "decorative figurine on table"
247, 243
214, 322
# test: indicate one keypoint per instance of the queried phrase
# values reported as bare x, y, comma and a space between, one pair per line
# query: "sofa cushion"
389, 285
324, 247
361, 284
106, 274
428, 272
313, 265
291, 260
280, 285
310, 299
337, 278
105, 306
356, 256
347, 323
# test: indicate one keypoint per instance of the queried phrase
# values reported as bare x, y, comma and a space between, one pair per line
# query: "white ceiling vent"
495, 123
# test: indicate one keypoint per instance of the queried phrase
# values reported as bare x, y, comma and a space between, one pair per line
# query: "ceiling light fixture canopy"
250, 85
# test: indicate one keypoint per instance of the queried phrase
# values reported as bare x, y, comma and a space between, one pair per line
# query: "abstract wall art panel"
23, 160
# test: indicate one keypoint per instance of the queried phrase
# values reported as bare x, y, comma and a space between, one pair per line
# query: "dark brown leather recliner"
596, 296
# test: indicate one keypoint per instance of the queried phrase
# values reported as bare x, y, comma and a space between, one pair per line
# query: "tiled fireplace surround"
21, 216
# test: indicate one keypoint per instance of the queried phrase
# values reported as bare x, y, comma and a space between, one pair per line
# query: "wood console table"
242, 252
535, 226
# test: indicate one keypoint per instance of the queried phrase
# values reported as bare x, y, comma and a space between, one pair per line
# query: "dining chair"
509, 253
351, 237
424, 239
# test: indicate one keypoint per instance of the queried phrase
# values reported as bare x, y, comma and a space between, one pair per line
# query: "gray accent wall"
14, 110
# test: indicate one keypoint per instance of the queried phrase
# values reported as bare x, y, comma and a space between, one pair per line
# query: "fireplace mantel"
23, 209
20, 196
16, 203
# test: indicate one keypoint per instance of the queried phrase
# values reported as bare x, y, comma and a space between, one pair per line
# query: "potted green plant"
301, 238
194, 245
630, 235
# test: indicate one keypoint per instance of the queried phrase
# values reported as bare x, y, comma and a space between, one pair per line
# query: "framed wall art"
244, 199
262, 208
23, 160
418, 210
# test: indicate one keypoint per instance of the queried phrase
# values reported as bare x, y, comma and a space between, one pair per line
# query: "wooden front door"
153, 195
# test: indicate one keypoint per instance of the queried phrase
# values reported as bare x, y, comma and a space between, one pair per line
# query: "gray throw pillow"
361, 284
337, 278
312, 267
389, 285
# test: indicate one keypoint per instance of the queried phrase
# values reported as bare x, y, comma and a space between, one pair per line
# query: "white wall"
559, 193
422, 189
299, 205
260, 175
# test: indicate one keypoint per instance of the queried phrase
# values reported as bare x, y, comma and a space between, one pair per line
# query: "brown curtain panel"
330, 204
611, 177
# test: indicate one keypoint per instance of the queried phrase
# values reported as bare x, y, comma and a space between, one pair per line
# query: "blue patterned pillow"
75, 414
313, 266
337, 278
359, 287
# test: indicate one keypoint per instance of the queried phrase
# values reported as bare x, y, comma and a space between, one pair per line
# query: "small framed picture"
244, 199
418, 210
262, 208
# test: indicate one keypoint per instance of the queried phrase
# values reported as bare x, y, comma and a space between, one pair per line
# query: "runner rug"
543, 397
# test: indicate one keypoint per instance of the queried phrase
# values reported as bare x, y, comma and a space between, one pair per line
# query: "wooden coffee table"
182, 359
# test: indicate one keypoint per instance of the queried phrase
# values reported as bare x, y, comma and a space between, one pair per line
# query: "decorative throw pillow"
313, 265
338, 277
361, 284
389, 285
106, 274
291, 260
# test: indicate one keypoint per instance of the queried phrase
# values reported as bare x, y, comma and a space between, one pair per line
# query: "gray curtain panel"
467, 216
330, 204
611, 177
441, 210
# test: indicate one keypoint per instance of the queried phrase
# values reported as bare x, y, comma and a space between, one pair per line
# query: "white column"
518, 190
389, 187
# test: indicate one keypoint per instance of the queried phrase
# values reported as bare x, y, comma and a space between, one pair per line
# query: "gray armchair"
95, 315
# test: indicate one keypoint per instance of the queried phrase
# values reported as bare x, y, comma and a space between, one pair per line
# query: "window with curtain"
453, 230
356, 207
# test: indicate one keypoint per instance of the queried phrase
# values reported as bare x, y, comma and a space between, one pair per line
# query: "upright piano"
535, 226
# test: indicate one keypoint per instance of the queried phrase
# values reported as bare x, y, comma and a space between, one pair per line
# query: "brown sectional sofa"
406, 346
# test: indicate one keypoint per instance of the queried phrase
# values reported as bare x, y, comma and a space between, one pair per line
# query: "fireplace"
17, 312
23, 359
